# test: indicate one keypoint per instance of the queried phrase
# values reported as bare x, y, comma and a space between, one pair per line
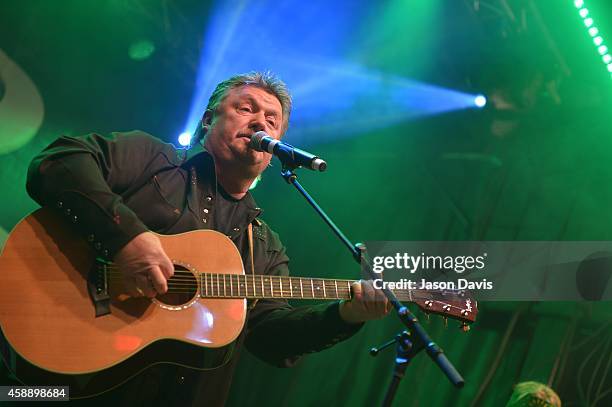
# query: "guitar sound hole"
182, 287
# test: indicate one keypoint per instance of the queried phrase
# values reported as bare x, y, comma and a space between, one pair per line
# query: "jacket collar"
204, 163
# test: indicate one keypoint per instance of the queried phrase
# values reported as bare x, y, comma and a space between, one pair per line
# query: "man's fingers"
167, 268
143, 286
375, 302
145, 265
133, 290
369, 296
356, 291
133, 286
371, 299
388, 306
380, 300
366, 303
157, 278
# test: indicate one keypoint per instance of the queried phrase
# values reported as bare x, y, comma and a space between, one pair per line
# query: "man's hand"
145, 266
367, 303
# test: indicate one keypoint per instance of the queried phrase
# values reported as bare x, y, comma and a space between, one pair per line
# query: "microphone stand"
406, 349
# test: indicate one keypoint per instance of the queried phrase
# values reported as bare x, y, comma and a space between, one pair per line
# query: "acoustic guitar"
67, 320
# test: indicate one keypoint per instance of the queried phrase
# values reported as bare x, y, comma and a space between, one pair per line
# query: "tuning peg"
445, 322
464, 327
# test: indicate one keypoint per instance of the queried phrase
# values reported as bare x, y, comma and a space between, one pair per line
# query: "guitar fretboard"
264, 286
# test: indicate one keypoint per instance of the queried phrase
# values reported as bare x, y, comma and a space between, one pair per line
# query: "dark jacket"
114, 188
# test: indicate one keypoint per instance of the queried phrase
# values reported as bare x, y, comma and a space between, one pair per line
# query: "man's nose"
258, 123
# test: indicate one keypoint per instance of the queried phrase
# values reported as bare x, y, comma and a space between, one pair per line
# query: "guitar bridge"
97, 285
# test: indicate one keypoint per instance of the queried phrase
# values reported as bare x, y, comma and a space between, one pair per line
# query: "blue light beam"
333, 97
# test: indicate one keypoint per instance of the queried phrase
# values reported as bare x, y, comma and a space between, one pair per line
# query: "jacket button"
60, 204
204, 220
90, 238
67, 211
209, 198
205, 210
98, 245
74, 219
236, 229
105, 252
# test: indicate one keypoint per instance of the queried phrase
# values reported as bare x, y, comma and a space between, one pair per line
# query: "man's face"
244, 111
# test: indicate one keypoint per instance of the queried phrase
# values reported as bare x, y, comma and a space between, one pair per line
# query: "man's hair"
263, 80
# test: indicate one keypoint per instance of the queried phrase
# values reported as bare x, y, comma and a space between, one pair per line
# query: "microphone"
288, 154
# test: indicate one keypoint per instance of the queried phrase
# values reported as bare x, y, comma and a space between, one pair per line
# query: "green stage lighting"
598, 40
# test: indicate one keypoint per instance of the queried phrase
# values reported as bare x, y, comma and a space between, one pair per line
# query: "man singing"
118, 189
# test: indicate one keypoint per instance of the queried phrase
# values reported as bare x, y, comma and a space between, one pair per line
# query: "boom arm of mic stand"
291, 178
359, 254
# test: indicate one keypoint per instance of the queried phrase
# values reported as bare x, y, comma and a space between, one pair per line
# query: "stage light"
480, 101
598, 39
184, 139
609, 67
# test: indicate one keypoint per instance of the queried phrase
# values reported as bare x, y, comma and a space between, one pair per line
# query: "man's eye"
272, 123
244, 108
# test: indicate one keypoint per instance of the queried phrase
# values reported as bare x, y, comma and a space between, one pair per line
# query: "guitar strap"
251, 256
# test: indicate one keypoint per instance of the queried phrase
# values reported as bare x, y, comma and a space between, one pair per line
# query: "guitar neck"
266, 287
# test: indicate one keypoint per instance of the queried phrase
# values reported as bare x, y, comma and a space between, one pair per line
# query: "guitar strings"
191, 287
218, 286
178, 273
184, 281
178, 289
188, 275
216, 283
191, 284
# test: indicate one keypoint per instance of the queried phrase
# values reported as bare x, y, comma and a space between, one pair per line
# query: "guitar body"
48, 318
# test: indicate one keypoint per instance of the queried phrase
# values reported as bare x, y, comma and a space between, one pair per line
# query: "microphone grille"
256, 139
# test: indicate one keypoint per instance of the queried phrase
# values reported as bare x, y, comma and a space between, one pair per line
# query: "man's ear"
204, 126
206, 122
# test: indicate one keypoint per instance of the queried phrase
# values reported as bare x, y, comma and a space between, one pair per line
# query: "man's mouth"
247, 140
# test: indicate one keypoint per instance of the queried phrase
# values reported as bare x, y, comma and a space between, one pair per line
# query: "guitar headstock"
455, 304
